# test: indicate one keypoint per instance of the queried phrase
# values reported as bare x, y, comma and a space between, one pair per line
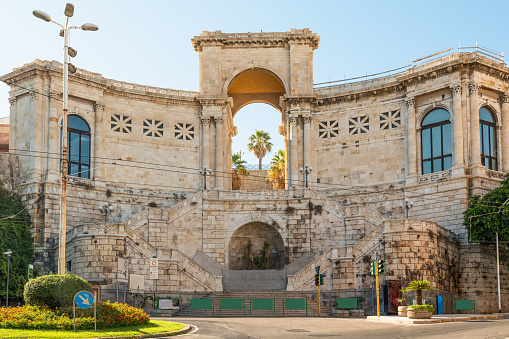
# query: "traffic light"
321, 279
381, 267
317, 279
373, 267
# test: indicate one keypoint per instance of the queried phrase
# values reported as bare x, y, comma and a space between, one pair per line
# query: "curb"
153, 335
432, 321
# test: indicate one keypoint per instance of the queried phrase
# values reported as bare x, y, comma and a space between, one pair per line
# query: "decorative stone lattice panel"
121, 123
390, 119
357, 125
328, 129
153, 128
184, 131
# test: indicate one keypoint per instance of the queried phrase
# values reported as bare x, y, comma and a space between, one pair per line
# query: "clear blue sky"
148, 42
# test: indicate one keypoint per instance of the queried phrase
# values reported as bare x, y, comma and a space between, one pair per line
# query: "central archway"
255, 233
255, 85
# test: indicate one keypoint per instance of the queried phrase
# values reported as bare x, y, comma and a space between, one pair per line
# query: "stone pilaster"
308, 142
97, 158
475, 136
457, 124
411, 135
504, 99
205, 161
293, 169
220, 170
12, 122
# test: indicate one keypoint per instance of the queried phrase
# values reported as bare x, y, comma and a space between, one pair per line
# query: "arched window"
78, 147
488, 139
436, 144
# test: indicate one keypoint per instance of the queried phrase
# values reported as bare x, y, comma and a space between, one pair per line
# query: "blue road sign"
84, 299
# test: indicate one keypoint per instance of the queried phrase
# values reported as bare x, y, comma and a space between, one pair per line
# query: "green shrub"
54, 290
421, 307
37, 318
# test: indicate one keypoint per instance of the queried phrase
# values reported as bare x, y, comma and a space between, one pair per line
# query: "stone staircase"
277, 311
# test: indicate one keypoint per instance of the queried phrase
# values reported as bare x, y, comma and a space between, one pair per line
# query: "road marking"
195, 328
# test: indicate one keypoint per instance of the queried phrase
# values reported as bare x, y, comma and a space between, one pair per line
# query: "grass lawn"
155, 326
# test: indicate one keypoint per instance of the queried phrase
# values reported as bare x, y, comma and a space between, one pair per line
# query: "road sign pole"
318, 298
74, 311
95, 313
377, 291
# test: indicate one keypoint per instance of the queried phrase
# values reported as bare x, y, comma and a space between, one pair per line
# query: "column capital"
33, 95
12, 102
504, 98
293, 118
53, 94
307, 118
205, 121
455, 88
99, 106
473, 87
410, 101
218, 120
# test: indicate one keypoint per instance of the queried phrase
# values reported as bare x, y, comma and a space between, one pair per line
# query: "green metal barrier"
468, 305
262, 304
348, 303
201, 304
295, 304
232, 304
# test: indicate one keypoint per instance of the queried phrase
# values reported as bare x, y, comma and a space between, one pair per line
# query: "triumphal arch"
435, 133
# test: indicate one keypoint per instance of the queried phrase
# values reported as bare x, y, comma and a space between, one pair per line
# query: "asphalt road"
244, 328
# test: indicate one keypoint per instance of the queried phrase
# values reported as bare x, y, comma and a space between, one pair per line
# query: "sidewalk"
439, 318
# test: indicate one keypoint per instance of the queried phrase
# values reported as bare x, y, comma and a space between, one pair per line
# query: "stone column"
97, 158
457, 124
411, 138
307, 143
220, 153
475, 136
294, 172
504, 99
12, 122
205, 159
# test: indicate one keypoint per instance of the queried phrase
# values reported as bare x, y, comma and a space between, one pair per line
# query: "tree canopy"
239, 170
14, 235
488, 215
277, 170
259, 144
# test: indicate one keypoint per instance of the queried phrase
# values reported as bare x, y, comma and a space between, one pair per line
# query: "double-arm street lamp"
306, 171
406, 206
68, 67
105, 208
8, 254
205, 172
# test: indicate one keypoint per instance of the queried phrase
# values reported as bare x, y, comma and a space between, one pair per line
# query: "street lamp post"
105, 208
498, 257
407, 206
306, 171
69, 12
8, 254
205, 172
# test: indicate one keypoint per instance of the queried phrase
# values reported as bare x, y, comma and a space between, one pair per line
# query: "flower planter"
402, 311
419, 314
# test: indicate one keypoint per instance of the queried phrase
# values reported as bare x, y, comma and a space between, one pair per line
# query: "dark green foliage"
54, 290
14, 235
482, 218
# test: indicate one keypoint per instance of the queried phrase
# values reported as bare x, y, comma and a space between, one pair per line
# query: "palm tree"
418, 286
277, 170
259, 144
239, 170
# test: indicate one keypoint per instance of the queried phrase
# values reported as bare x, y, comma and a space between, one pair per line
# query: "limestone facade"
363, 140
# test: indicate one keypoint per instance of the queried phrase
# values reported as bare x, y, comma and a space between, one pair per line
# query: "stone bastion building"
436, 133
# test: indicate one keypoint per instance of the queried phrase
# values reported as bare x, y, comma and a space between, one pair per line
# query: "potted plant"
418, 286
420, 311
402, 308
